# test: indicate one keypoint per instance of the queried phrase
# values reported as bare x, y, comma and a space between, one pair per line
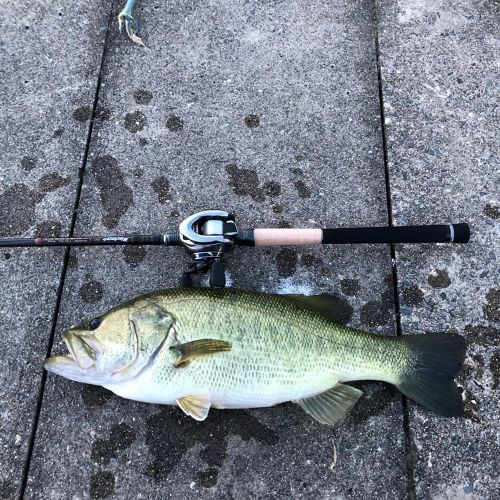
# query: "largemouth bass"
224, 348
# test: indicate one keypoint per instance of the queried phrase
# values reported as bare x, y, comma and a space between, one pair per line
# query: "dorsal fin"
329, 306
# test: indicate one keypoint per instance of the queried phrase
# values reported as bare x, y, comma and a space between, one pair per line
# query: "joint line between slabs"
81, 172
410, 466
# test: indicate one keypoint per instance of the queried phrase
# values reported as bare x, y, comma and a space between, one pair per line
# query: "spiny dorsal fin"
195, 406
198, 348
331, 307
330, 406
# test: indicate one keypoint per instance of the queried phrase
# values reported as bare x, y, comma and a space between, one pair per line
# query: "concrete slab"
50, 54
440, 63
270, 110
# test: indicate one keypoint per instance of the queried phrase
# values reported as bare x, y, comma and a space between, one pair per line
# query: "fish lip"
70, 338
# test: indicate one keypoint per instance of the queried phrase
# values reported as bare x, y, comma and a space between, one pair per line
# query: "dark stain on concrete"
102, 114
252, 121
439, 279
370, 405
91, 291
142, 96
245, 182
311, 261
73, 261
277, 209
297, 170
102, 485
135, 121
143, 142
59, 132
121, 436
472, 407
7, 489
82, 114
286, 262
175, 123
350, 287
161, 186
492, 211
483, 335
495, 369
17, 206
139, 172
28, 163
95, 395
52, 182
170, 434
116, 197
491, 309
302, 189
377, 313
48, 229
413, 296
272, 188
133, 255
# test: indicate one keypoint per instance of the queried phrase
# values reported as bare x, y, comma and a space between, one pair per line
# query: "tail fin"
435, 360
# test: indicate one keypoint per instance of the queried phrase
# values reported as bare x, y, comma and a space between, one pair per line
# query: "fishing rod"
208, 235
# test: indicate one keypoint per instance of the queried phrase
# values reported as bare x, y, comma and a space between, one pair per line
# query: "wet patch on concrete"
142, 96
483, 335
28, 163
161, 186
170, 434
439, 279
121, 436
311, 261
370, 405
350, 287
378, 313
286, 262
83, 113
95, 395
73, 261
413, 296
245, 182
91, 291
495, 369
135, 121
302, 189
174, 123
48, 229
491, 310
102, 485
17, 206
252, 121
143, 142
52, 182
116, 197
133, 255
58, 132
492, 211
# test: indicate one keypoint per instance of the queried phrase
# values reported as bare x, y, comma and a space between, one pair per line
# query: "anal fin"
330, 406
195, 406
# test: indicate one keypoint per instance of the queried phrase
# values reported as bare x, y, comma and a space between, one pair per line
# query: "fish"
202, 348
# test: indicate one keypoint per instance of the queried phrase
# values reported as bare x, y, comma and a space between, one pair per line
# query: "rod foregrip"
438, 233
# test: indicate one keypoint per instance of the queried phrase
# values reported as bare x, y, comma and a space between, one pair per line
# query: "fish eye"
94, 324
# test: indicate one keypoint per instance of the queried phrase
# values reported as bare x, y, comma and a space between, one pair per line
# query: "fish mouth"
80, 362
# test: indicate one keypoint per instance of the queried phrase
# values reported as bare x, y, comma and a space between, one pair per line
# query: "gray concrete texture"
440, 67
271, 110
43, 79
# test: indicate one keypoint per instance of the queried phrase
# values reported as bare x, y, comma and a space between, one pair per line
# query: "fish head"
114, 347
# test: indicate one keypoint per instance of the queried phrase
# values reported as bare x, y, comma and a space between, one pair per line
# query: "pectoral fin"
198, 348
195, 406
330, 406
